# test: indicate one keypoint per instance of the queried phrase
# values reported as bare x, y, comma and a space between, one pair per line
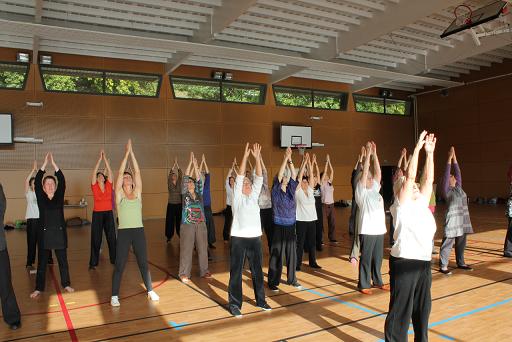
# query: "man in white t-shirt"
246, 235
372, 223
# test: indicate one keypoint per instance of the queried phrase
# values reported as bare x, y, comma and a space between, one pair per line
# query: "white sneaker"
153, 296
114, 301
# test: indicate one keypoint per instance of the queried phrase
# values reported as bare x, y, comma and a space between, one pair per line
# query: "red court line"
67, 318
101, 303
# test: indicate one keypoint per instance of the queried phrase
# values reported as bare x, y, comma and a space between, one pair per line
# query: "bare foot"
354, 263
69, 289
35, 294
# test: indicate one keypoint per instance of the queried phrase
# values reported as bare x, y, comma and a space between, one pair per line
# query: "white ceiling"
365, 43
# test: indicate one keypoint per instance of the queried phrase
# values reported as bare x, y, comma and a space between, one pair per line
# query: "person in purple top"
284, 237
457, 222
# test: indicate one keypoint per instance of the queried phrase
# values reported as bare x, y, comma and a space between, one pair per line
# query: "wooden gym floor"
467, 306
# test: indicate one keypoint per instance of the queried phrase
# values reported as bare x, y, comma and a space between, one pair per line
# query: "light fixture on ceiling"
45, 59
228, 76
386, 93
22, 57
217, 75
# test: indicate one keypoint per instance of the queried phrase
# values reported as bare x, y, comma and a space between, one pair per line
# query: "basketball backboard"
466, 18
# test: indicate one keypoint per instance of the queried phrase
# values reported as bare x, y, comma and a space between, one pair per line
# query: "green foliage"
324, 101
12, 76
293, 98
380, 105
98, 82
370, 106
233, 93
186, 90
399, 108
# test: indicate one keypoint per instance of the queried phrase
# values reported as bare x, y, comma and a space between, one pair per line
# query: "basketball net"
463, 14
301, 148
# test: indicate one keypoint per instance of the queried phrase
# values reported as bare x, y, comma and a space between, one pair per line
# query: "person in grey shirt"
10, 309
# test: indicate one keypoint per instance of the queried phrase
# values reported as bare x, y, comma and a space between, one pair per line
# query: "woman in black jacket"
52, 227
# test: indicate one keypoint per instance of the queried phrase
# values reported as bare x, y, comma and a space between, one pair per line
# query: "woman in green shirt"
131, 230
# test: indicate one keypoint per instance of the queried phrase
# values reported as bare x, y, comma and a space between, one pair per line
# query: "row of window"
97, 82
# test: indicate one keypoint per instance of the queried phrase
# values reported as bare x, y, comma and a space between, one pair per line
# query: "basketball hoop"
463, 18
301, 148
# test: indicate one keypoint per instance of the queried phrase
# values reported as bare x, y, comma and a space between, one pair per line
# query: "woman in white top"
228, 213
409, 263
246, 234
371, 223
306, 214
32, 217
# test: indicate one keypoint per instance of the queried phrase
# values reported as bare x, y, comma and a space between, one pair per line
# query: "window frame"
262, 86
104, 77
408, 104
343, 102
24, 79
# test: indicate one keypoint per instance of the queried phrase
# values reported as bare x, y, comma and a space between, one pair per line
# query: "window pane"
293, 97
70, 80
196, 89
13, 76
131, 84
397, 107
244, 93
369, 104
326, 100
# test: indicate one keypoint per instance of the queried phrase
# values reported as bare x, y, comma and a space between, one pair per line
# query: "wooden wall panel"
70, 156
213, 155
184, 110
148, 156
134, 107
17, 157
140, 131
476, 120
194, 133
67, 130
69, 105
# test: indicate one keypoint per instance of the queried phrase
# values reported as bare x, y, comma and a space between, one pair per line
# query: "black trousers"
507, 249
391, 231
319, 223
172, 220
372, 249
32, 228
10, 309
410, 297
306, 235
210, 224
42, 262
228, 219
267, 224
135, 238
102, 221
352, 219
284, 243
240, 249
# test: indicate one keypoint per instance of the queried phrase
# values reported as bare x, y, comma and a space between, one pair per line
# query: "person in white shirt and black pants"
409, 263
246, 235
372, 223
306, 215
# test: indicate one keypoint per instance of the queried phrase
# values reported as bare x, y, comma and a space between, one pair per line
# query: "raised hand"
314, 158
421, 140
247, 150
203, 158
430, 143
256, 150
288, 153
403, 153
328, 159
374, 148
34, 168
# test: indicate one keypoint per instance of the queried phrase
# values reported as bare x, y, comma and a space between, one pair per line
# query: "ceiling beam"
393, 18
283, 73
221, 18
175, 61
445, 56
38, 11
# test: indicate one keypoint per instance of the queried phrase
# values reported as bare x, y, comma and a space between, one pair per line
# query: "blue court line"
362, 308
177, 326
352, 305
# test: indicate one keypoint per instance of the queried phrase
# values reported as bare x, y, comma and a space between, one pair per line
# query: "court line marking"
65, 313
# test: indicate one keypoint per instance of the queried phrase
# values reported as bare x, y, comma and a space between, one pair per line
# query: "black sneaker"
273, 288
92, 268
212, 246
297, 269
315, 266
265, 307
319, 248
15, 326
465, 267
446, 272
297, 286
333, 241
506, 255
235, 311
